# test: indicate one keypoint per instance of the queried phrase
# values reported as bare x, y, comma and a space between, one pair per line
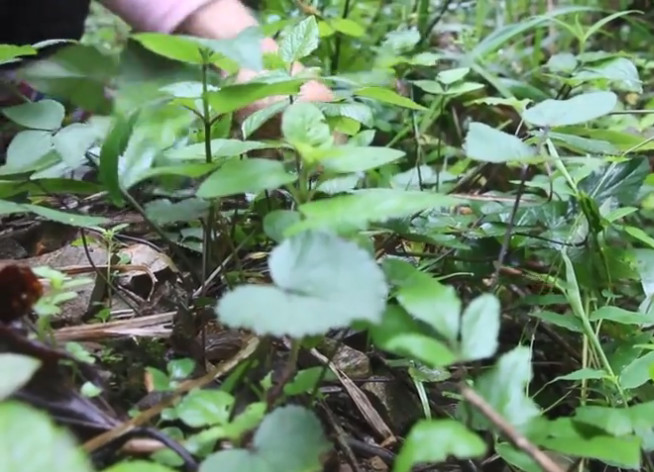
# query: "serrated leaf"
385, 95
25, 431
42, 115
113, 147
480, 328
448, 438
301, 41
486, 144
17, 370
322, 282
573, 111
304, 126
245, 176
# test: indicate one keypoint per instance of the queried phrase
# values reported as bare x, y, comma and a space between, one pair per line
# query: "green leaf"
220, 148
43, 115
480, 328
486, 144
448, 77
28, 151
235, 97
637, 373
257, 119
567, 321
163, 211
355, 211
347, 27
276, 222
385, 95
138, 466
428, 300
583, 374
620, 180
17, 370
349, 159
579, 109
290, 439
176, 47
447, 438
31, 442
300, 41
73, 141
113, 147
619, 315
563, 62
305, 127
72, 219
245, 176
9, 52
398, 333
322, 282
205, 408
513, 372
620, 71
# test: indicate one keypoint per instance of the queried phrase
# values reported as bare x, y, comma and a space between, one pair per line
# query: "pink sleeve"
162, 16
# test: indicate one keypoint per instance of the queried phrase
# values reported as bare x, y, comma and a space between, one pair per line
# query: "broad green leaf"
578, 143
349, 159
29, 151
401, 40
619, 180
42, 115
163, 211
31, 442
563, 62
426, 299
564, 435
276, 222
235, 97
257, 119
205, 408
219, 148
17, 370
244, 49
513, 372
568, 321
290, 439
193, 171
138, 466
399, 334
322, 282
434, 441
448, 77
347, 212
305, 127
637, 373
347, 27
73, 141
620, 71
573, 111
245, 176
486, 144
480, 328
386, 95
300, 41
175, 47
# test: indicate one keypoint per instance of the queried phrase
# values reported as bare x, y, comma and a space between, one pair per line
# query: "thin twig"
518, 440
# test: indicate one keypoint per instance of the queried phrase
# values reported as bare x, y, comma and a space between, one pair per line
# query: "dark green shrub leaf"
276, 222
637, 372
138, 466
305, 127
235, 97
446, 438
219, 148
321, 282
164, 211
348, 159
205, 408
29, 150
388, 96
